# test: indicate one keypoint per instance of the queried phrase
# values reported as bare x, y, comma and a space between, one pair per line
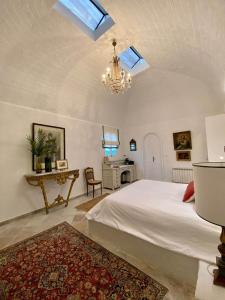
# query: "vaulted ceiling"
48, 63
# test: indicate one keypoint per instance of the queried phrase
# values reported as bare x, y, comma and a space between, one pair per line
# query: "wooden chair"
90, 180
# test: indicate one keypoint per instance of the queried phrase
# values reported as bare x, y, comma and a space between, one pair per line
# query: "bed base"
181, 268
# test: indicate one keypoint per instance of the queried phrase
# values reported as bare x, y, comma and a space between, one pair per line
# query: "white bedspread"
154, 211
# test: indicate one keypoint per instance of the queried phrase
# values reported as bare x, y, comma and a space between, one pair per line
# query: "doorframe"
161, 153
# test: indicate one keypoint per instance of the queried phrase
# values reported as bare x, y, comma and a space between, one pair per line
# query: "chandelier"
115, 78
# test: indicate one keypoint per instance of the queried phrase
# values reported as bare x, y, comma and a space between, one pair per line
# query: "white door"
152, 157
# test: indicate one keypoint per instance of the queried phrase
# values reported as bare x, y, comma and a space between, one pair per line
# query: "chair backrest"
89, 173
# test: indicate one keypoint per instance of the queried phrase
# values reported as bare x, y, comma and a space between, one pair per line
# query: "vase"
48, 164
38, 165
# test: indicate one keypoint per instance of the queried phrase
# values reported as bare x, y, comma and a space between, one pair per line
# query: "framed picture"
183, 155
62, 164
59, 134
182, 140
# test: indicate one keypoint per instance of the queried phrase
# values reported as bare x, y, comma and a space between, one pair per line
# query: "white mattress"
154, 211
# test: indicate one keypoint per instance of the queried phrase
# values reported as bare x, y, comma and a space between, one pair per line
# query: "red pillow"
189, 193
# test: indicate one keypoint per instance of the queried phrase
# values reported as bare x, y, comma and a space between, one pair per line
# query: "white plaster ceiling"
49, 63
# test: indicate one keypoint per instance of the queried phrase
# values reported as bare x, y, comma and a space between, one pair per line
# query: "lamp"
209, 180
116, 79
133, 145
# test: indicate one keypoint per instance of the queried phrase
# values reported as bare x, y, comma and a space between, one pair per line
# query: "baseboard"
34, 212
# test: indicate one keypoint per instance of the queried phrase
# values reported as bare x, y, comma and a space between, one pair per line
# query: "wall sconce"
133, 145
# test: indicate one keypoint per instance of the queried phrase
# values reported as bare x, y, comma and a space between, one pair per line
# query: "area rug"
61, 263
89, 204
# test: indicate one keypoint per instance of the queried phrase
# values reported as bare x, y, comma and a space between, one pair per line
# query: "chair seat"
93, 181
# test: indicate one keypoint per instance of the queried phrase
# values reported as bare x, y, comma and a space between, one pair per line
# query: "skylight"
87, 11
89, 15
132, 61
130, 57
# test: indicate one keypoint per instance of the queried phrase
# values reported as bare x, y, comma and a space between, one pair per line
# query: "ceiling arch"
44, 58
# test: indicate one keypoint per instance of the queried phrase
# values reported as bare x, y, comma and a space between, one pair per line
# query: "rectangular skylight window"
132, 61
130, 57
87, 11
89, 15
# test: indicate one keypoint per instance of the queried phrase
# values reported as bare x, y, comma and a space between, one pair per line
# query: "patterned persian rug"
61, 263
91, 203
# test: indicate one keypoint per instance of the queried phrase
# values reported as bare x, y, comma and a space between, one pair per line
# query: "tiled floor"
27, 226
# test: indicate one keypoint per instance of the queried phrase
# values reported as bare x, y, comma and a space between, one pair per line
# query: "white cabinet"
111, 174
111, 179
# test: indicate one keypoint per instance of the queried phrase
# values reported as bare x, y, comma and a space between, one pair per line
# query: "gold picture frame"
182, 140
62, 164
183, 155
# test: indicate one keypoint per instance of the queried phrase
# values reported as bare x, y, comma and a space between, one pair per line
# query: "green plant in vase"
49, 151
37, 148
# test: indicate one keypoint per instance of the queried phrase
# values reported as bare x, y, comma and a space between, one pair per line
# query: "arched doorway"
152, 157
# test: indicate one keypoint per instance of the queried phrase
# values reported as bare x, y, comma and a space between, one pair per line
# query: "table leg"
41, 184
68, 195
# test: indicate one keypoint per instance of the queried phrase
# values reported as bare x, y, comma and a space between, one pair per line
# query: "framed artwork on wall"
182, 140
183, 155
58, 133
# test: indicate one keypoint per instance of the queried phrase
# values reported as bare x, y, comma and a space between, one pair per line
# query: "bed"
153, 214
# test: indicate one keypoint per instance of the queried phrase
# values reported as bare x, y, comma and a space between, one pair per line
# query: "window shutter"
110, 137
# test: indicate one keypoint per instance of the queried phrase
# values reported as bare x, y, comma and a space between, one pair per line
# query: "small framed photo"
62, 164
183, 155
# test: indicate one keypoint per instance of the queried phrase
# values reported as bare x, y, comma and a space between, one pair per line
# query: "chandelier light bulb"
103, 78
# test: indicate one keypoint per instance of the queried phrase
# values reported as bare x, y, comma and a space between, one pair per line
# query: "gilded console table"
60, 177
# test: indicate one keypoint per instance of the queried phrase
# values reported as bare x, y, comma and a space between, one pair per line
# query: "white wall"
50, 73
215, 133
165, 132
83, 148
165, 102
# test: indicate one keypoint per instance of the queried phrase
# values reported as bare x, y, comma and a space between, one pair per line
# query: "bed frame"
182, 268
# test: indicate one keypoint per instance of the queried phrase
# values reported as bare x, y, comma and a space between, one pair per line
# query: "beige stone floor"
27, 226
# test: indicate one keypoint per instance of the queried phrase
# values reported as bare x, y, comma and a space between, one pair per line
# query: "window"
110, 152
89, 15
132, 61
87, 11
110, 141
130, 57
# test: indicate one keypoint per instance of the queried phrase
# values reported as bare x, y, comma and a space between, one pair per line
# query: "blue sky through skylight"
132, 61
130, 57
87, 11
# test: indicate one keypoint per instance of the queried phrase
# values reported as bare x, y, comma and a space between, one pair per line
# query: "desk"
60, 177
111, 174
205, 289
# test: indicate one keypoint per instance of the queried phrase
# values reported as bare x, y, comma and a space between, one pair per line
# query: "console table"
60, 177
